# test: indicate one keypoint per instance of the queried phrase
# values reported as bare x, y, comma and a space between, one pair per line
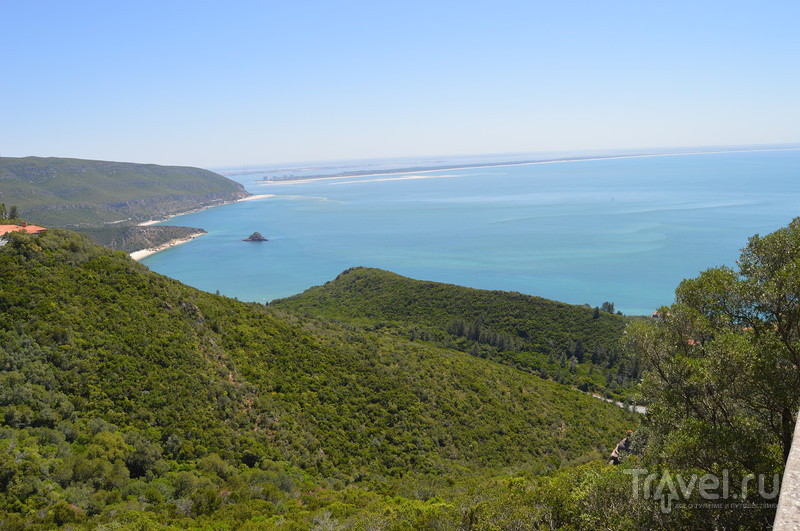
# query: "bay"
625, 230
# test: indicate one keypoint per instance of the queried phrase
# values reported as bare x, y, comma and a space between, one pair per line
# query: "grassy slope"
198, 373
73, 192
528, 332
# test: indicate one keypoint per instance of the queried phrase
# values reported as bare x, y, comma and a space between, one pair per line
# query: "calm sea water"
621, 230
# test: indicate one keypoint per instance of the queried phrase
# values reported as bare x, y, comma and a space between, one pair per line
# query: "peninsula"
298, 174
113, 202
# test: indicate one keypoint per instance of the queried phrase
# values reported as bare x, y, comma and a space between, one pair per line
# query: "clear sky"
248, 82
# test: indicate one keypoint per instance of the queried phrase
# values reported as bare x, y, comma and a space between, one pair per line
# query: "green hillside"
127, 398
73, 193
574, 345
130, 238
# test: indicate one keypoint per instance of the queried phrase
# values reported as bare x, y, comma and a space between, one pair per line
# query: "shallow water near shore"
624, 230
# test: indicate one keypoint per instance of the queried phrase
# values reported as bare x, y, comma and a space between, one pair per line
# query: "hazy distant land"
398, 166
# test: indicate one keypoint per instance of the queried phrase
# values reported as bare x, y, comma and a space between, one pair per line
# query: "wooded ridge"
109, 199
573, 345
126, 394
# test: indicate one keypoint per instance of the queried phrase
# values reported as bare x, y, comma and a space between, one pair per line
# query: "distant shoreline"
428, 169
144, 253
248, 198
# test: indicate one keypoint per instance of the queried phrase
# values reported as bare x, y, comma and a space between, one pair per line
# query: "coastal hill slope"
107, 200
574, 345
123, 391
73, 192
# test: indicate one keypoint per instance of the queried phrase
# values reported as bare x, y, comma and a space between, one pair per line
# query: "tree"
579, 350
724, 360
607, 307
13, 213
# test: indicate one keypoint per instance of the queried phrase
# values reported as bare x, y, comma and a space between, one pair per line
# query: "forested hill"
72, 192
571, 344
123, 391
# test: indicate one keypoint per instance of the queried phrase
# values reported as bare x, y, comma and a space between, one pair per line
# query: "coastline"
248, 198
253, 197
405, 171
144, 253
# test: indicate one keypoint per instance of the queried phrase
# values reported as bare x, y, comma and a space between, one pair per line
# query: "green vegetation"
107, 199
724, 384
133, 237
128, 399
573, 345
57, 192
9, 215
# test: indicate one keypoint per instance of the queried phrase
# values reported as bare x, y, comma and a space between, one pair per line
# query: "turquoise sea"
624, 230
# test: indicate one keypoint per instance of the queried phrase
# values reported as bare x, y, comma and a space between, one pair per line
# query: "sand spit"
506, 164
248, 198
144, 253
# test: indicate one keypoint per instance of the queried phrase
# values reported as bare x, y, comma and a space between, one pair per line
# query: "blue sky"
232, 83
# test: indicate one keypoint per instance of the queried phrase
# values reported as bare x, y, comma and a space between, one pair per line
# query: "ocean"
623, 230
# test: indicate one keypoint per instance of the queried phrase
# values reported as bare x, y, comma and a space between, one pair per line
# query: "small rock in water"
256, 237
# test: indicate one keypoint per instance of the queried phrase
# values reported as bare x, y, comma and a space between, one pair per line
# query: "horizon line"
428, 169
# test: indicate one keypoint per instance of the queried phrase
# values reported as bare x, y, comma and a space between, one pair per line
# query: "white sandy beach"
248, 198
503, 165
144, 253
312, 179
256, 196
405, 178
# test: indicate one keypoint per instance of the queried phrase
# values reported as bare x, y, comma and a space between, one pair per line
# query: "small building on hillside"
30, 229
